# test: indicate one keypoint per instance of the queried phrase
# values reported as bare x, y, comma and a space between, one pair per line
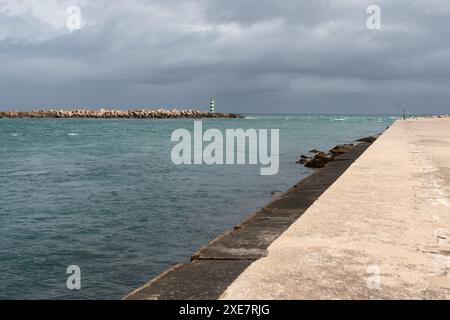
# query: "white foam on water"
267, 118
14, 134
339, 119
72, 134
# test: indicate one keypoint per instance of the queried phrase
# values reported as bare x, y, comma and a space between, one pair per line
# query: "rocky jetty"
434, 116
116, 114
320, 158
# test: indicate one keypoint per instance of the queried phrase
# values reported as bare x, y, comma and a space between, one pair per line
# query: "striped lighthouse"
212, 106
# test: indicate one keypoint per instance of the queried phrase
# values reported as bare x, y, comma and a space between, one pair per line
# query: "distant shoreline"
119, 114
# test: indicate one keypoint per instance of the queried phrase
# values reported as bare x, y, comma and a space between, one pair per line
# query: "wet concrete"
197, 280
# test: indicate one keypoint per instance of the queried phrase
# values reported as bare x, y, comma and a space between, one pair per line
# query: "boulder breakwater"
320, 158
118, 114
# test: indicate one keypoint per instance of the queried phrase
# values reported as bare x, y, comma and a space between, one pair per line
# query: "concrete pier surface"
218, 263
381, 231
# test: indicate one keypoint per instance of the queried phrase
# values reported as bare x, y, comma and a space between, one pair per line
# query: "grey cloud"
253, 55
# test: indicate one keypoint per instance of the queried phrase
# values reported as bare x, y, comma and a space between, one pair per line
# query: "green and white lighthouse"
212, 107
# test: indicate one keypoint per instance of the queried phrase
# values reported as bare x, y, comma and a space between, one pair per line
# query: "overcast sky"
251, 55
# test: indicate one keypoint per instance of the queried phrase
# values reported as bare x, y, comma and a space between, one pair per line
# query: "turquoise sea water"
104, 195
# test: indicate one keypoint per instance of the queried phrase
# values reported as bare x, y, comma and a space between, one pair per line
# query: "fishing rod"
404, 111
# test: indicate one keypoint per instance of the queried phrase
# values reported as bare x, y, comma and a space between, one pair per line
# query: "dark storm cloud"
252, 55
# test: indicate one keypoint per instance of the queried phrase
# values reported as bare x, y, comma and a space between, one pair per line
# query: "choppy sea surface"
104, 194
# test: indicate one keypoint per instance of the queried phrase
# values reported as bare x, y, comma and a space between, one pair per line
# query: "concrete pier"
381, 231
216, 265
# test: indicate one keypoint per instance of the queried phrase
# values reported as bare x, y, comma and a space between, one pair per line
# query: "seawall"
214, 267
381, 231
